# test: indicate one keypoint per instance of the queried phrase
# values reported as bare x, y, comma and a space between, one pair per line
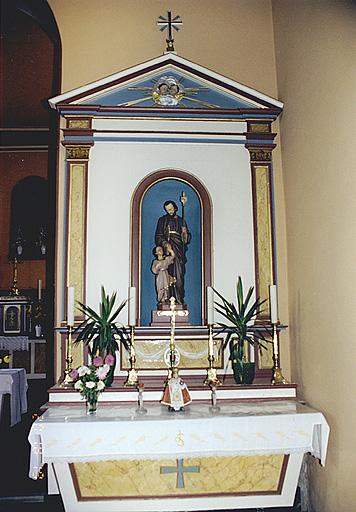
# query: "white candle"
70, 305
132, 306
39, 289
273, 303
210, 305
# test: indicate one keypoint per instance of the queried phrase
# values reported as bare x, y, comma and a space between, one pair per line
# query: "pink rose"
74, 374
98, 361
109, 359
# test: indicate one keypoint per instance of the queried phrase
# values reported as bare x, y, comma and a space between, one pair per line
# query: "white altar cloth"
67, 434
14, 382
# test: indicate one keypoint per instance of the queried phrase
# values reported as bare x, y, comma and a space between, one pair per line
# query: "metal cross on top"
167, 24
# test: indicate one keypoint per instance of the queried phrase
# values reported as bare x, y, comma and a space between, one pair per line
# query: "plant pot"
110, 376
244, 373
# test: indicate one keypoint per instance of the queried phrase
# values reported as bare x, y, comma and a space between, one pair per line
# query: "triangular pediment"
167, 83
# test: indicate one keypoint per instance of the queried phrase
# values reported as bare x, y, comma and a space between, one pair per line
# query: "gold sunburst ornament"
169, 91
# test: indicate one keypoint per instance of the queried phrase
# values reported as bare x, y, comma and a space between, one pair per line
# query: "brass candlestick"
277, 376
211, 378
14, 289
132, 377
67, 381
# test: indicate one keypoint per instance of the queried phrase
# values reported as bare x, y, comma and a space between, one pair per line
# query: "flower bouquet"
89, 380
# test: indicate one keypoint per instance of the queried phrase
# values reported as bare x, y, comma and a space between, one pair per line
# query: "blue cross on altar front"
180, 470
169, 23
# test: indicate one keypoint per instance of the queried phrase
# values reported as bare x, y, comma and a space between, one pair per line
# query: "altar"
246, 455
165, 195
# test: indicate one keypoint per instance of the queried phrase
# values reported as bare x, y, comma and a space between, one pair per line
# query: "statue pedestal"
165, 321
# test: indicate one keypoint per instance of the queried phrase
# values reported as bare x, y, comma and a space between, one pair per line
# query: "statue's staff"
183, 199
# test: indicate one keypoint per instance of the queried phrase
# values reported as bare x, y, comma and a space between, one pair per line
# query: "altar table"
246, 455
14, 382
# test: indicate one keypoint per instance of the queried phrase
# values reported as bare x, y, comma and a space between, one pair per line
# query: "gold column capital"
260, 154
77, 152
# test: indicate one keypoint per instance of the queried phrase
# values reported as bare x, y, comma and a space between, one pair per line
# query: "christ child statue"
164, 281
176, 394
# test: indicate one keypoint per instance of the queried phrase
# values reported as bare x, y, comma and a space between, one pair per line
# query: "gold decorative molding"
78, 152
259, 127
79, 123
239, 475
193, 353
260, 155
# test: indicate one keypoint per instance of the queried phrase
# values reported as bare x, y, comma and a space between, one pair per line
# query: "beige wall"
316, 67
101, 38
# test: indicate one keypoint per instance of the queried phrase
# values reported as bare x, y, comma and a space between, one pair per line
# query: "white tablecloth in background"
67, 434
14, 342
14, 382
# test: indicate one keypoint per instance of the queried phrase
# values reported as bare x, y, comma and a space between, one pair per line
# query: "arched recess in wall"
146, 208
29, 219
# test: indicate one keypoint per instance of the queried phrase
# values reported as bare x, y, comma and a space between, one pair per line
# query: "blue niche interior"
151, 210
207, 93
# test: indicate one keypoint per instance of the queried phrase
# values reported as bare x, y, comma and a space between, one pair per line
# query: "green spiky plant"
99, 330
239, 329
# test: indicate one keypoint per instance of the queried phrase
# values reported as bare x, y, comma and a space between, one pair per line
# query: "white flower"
83, 370
78, 385
90, 384
100, 385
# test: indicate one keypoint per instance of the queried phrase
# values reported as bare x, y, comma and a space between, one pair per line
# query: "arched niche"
146, 208
29, 219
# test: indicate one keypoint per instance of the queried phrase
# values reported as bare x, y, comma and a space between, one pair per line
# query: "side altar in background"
22, 344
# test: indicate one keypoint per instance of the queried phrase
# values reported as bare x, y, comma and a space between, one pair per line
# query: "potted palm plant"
240, 331
99, 331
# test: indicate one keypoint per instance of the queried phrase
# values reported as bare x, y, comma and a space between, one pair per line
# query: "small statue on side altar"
176, 394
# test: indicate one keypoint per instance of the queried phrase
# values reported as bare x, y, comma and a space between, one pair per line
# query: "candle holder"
132, 377
277, 376
211, 378
14, 291
140, 409
67, 381
214, 407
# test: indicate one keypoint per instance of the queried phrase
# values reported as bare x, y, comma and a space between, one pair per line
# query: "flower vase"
92, 405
